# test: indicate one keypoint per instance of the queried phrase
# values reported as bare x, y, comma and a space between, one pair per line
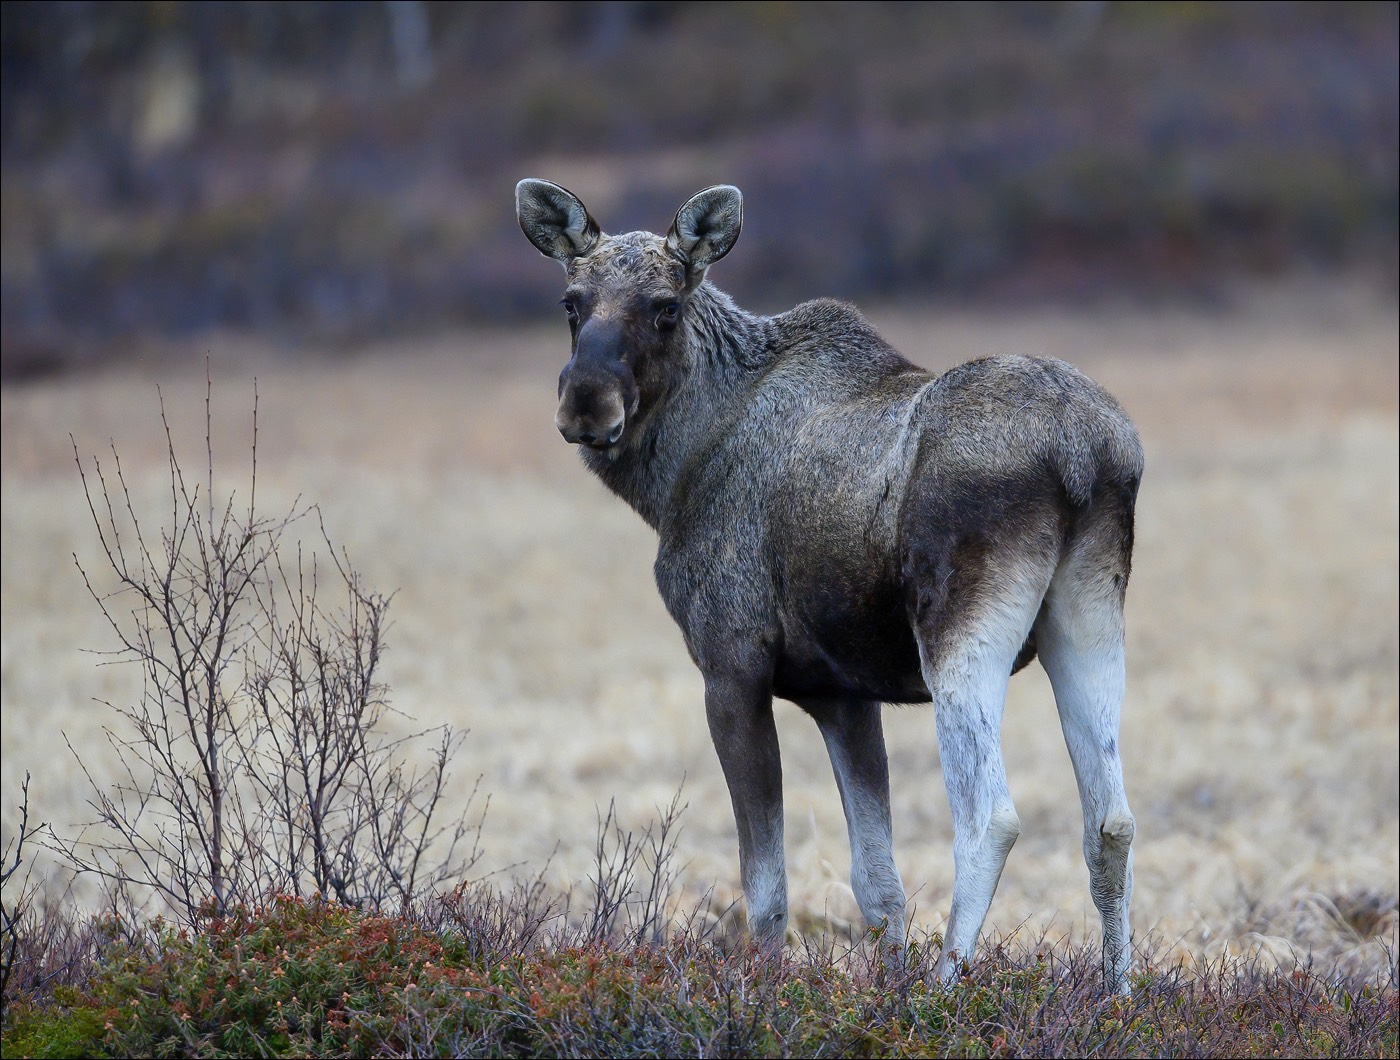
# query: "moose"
840, 528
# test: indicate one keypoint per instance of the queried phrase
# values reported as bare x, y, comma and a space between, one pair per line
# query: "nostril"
593, 438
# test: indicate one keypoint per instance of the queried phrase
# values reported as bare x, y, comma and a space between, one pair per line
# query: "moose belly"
842, 644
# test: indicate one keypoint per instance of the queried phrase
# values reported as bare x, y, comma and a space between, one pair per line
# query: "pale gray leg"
856, 743
985, 824
967, 664
1080, 638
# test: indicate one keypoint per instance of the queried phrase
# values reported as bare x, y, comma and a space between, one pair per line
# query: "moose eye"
570, 310
668, 314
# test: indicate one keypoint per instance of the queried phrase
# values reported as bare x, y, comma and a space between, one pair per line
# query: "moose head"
625, 301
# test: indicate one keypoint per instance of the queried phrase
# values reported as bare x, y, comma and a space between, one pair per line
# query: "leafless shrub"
16, 907
630, 900
43, 942
492, 920
254, 763
633, 877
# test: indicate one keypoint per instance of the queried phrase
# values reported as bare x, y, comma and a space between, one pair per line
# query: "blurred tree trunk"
413, 57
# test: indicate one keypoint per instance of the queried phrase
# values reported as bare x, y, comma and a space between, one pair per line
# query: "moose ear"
706, 229
555, 220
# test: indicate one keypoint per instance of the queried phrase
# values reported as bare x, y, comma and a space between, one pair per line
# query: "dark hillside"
345, 170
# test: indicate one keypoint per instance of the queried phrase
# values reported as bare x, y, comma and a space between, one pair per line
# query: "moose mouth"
598, 424
599, 443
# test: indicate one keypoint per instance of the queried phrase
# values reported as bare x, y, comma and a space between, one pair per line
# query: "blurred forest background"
343, 171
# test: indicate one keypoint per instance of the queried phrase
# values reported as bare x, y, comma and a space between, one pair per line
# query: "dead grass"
1261, 732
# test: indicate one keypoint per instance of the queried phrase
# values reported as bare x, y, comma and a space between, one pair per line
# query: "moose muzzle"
597, 392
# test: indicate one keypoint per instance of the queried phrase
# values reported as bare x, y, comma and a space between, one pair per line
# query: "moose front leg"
740, 713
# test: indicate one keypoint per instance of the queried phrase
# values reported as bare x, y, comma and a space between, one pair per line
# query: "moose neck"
723, 350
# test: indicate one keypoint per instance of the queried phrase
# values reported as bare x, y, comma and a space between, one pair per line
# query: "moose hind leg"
1080, 638
985, 823
967, 664
855, 742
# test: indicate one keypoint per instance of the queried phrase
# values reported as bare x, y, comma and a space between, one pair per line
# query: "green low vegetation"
314, 978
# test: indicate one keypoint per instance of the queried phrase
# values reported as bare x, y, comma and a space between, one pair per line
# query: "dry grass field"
1260, 735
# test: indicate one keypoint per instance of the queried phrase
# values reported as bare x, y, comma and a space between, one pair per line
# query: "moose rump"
840, 528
